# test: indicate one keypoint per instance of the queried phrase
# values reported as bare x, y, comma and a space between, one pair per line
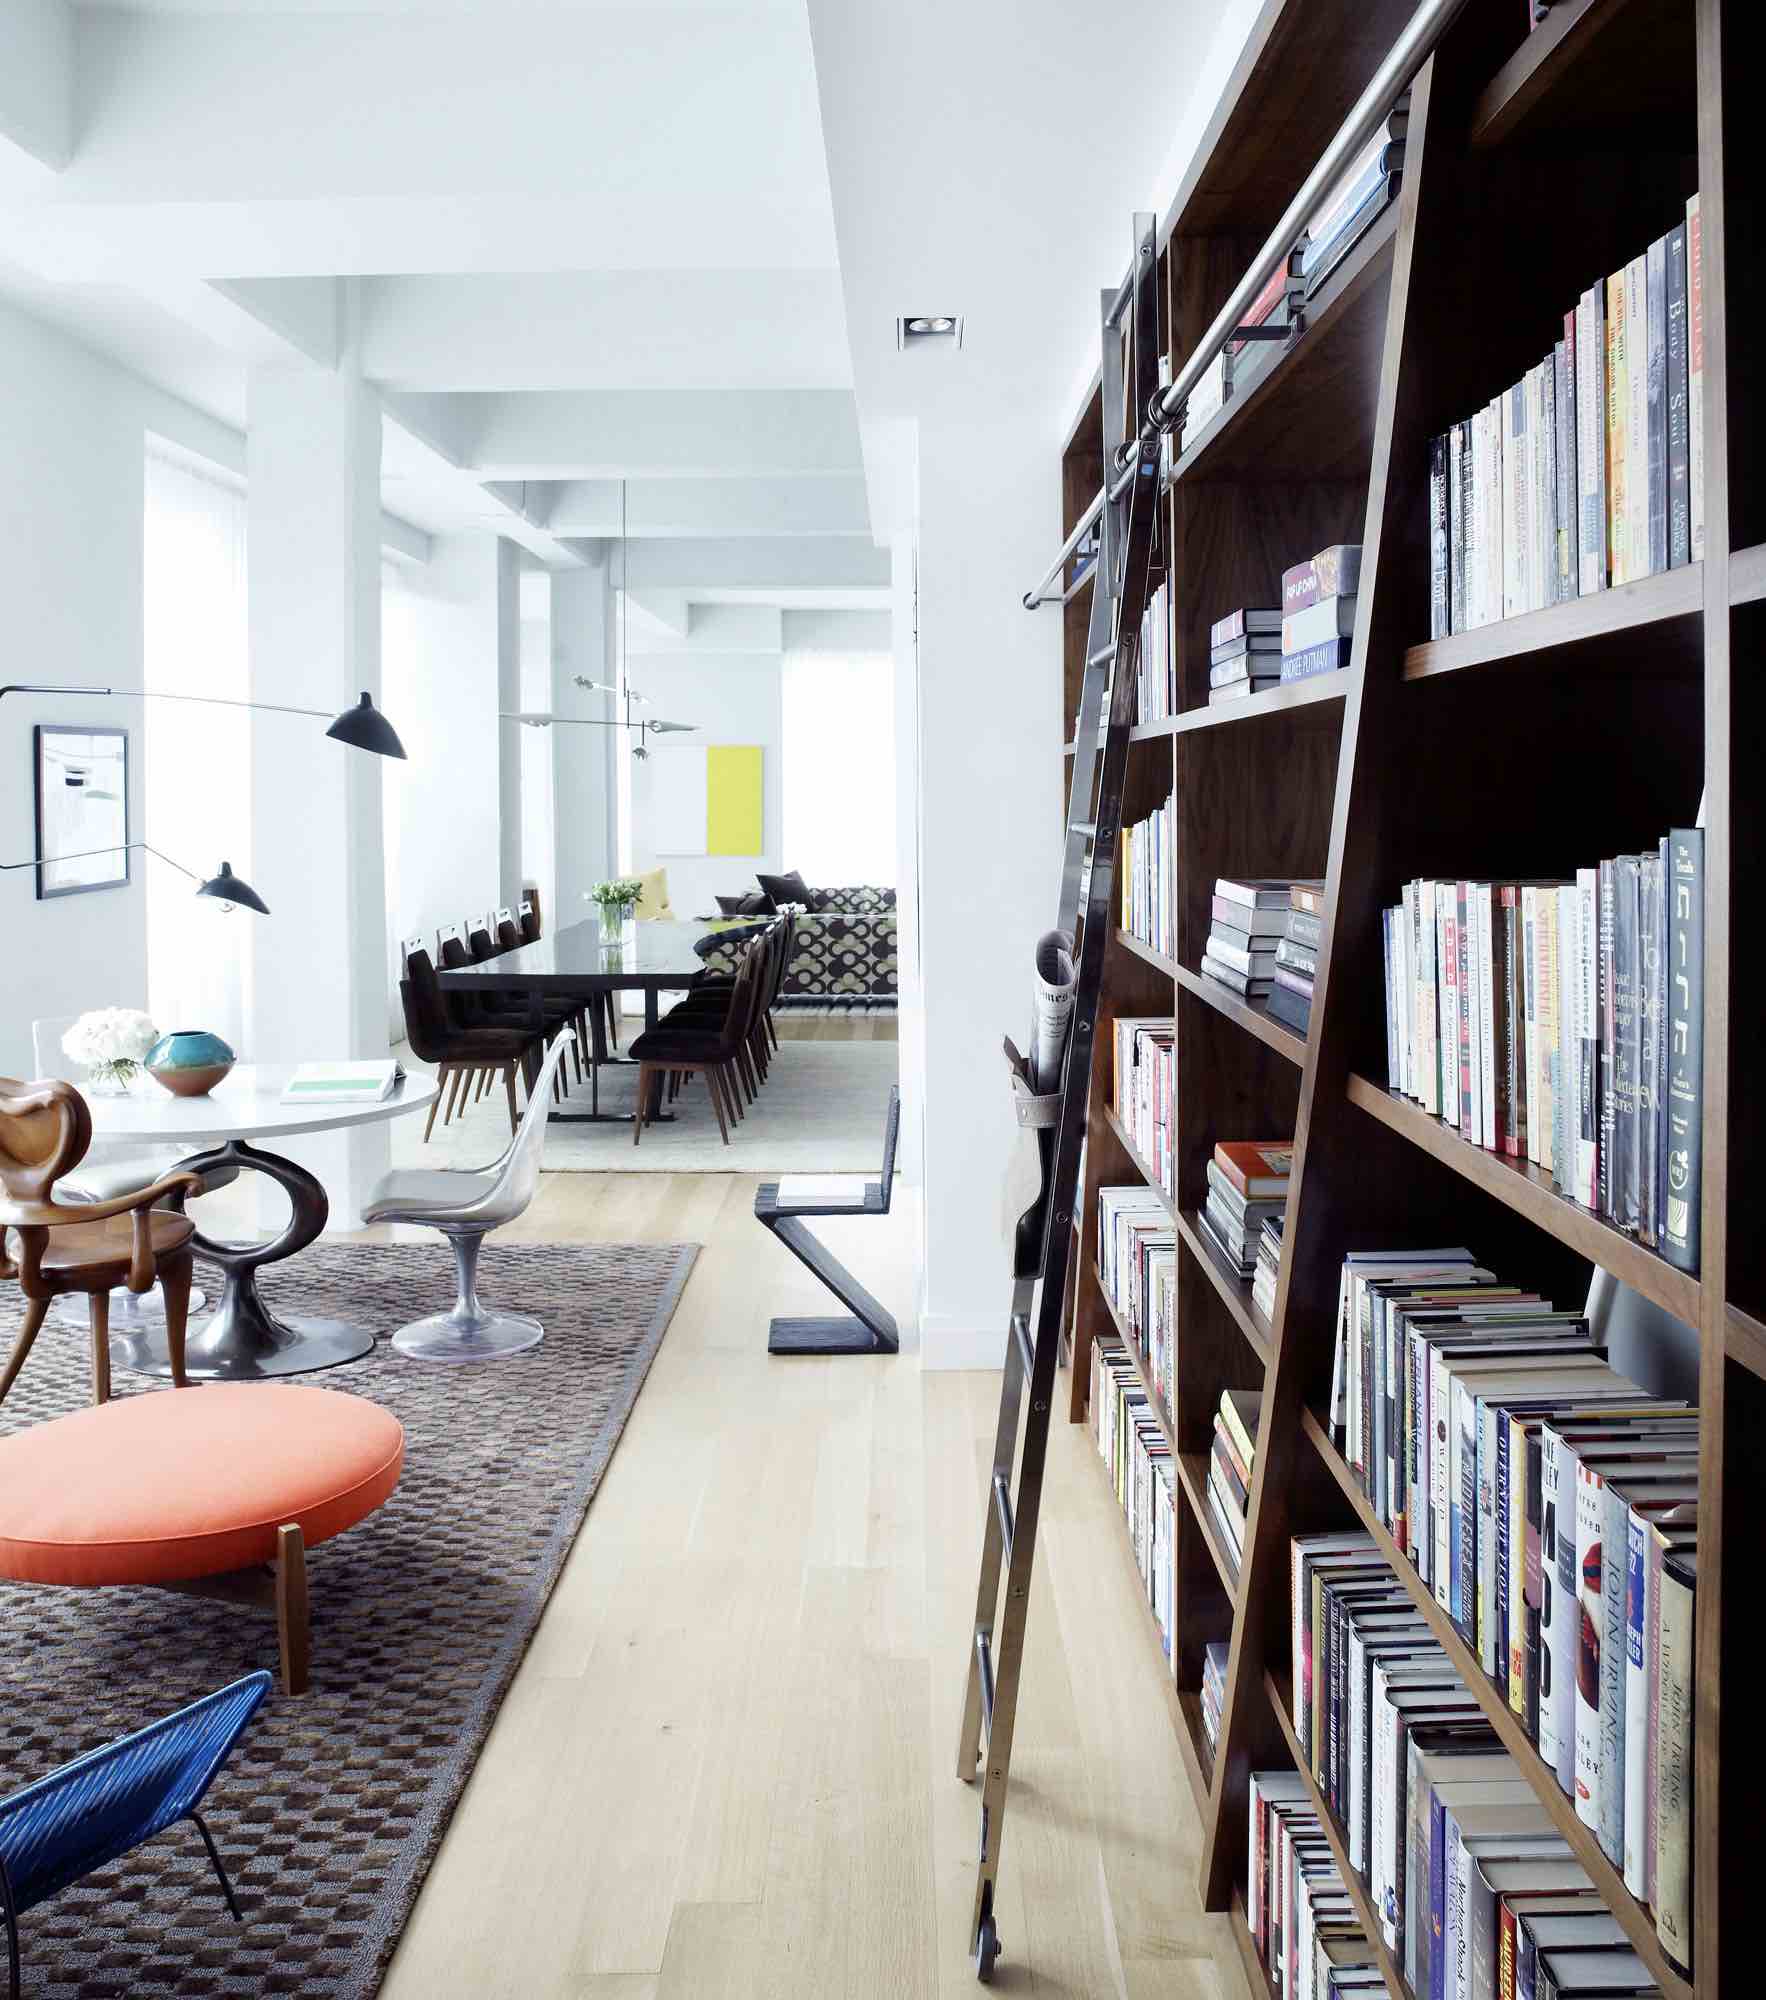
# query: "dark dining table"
582, 960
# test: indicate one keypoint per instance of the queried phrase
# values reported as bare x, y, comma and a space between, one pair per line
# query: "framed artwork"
82, 788
708, 798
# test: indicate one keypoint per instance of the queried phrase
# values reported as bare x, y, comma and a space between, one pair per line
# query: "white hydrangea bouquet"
111, 1045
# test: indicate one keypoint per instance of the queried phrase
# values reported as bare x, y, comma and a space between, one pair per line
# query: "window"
197, 785
839, 768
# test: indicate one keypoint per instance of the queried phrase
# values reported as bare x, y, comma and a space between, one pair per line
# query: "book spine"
1637, 417
1618, 418
1566, 1619
1459, 502
1674, 1795
1608, 1039
1514, 512
1516, 1141
1564, 517
1324, 658
1626, 985
1587, 974
1532, 1572
1591, 1621
1549, 1586
1478, 523
1686, 1040
1502, 1028
1548, 1017
1440, 592
1388, 940
1695, 380
1545, 483
1591, 377
1659, 1000
1447, 922
1652, 1681
1656, 399
1649, 1019
1495, 556
1679, 512
1636, 1699
1610, 1819
1530, 1002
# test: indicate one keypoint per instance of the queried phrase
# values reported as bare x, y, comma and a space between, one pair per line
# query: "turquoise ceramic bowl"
189, 1062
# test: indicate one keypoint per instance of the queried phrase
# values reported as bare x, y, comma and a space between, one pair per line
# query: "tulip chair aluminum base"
242, 1340
468, 1332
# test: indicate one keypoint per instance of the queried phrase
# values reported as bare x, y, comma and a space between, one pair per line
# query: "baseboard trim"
951, 1341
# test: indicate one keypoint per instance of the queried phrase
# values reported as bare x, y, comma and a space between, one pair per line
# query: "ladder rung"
1089, 827
984, 1662
1002, 1506
1026, 1353
1103, 656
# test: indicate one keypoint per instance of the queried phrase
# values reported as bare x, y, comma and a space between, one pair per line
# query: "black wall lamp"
224, 886
362, 727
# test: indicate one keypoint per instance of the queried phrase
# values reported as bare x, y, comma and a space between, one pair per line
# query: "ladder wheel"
987, 1949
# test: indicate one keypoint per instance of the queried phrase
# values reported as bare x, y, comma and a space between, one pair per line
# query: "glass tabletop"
641, 953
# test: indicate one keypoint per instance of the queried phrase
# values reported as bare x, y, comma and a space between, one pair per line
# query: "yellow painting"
734, 800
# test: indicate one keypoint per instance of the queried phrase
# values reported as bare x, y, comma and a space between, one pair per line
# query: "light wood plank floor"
727, 1766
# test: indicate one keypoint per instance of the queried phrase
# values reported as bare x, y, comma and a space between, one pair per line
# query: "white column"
318, 988
583, 760
508, 735
990, 849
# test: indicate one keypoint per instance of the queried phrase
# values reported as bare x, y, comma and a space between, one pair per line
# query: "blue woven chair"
107, 1803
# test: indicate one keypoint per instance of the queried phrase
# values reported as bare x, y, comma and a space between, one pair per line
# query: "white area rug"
820, 1112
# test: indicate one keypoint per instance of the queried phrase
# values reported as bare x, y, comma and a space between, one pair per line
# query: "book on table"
343, 1083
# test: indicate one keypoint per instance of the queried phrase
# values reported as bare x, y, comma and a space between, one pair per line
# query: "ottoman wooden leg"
291, 1608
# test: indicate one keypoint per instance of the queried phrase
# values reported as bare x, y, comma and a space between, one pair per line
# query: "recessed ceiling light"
928, 326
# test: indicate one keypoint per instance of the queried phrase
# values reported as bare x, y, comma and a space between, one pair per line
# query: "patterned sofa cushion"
860, 902
840, 950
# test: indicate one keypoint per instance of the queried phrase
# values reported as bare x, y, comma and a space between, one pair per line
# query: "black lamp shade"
365, 728
226, 887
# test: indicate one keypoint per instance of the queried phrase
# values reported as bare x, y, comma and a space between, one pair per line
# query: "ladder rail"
997, 1649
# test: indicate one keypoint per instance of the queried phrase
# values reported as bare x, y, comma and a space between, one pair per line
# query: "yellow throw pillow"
653, 901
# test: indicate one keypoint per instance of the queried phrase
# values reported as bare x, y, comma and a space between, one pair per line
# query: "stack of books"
1318, 611
1298, 1908
1562, 1023
1137, 1269
1296, 957
1230, 1462
1149, 869
1247, 1185
1589, 471
1145, 1089
1214, 1659
1134, 1449
1249, 921
1367, 187
1244, 654
1550, 1506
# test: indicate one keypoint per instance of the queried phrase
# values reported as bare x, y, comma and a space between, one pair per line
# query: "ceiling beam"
699, 507
36, 90
738, 568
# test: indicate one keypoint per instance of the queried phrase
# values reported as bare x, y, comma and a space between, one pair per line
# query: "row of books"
1231, 1457
1155, 687
1214, 1658
1137, 1269
1259, 647
1589, 471
1263, 942
1134, 1449
1562, 1023
1298, 1909
1348, 209
1144, 1089
1247, 1186
1474, 1890
1149, 878
1549, 1503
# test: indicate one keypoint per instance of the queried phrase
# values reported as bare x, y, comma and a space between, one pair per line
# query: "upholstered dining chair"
466, 1206
82, 1247
687, 1043
466, 1059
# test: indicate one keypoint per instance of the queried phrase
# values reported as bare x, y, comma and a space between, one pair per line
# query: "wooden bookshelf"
1534, 164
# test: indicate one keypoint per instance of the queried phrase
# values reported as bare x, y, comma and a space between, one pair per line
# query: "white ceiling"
581, 243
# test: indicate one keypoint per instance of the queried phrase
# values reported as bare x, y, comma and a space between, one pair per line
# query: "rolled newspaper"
1051, 1009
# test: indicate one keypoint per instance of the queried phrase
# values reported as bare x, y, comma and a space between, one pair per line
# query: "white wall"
72, 436
439, 670
731, 698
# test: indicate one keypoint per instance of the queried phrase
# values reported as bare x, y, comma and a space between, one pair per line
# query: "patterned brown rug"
332, 1808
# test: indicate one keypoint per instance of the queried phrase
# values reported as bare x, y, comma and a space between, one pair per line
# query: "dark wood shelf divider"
1539, 741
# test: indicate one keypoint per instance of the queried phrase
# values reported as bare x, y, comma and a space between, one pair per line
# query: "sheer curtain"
198, 778
839, 768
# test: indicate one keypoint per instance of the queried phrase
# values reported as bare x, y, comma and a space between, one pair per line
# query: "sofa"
843, 949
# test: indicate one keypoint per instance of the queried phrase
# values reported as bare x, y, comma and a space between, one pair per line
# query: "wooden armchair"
87, 1247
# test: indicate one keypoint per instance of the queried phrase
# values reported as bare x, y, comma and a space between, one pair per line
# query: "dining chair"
87, 1247
466, 1206
685, 1043
466, 1059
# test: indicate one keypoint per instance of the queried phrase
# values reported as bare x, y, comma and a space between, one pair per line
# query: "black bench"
871, 1328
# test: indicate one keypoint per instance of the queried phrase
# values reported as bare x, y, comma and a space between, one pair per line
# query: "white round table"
242, 1340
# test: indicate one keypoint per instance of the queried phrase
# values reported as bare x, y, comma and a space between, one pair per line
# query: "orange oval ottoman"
217, 1489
